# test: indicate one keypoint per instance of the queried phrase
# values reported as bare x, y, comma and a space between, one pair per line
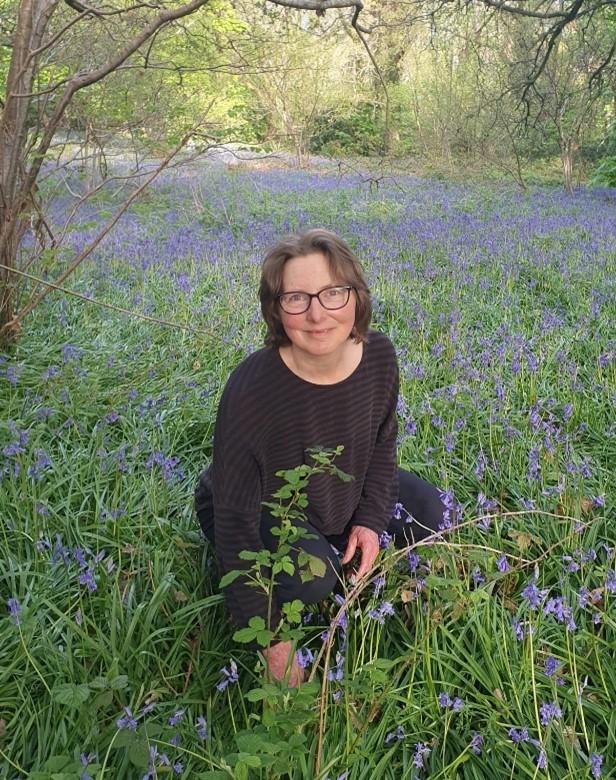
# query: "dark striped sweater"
267, 418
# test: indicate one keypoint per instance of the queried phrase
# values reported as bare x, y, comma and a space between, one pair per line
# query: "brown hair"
344, 267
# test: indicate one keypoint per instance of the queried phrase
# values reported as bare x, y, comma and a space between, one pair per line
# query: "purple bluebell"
476, 744
551, 666
533, 595
230, 676
421, 755
381, 612
176, 718
398, 734
518, 736
336, 673
201, 728
596, 762
561, 611
305, 657
127, 721
14, 611
542, 759
548, 712
385, 539
502, 564
477, 576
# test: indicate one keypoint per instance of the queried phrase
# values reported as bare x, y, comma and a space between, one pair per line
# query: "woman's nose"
315, 310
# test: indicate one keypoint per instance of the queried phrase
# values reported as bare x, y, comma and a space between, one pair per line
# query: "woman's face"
318, 331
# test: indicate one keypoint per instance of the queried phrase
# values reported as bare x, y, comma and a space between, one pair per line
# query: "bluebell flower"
397, 734
518, 736
551, 666
230, 676
381, 612
14, 611
176, 718
305, 657
542, 759
533, 595
385, 539
476, 744
421, 754
595, 765
477, 576
337, 672
610, 582
502, 564
549, 712
201, 727
127, 721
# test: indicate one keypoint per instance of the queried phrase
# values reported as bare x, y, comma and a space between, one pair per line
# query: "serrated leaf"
102, 699
57, 763
71, 694
229, 577
139, 753
317, 566
119, 682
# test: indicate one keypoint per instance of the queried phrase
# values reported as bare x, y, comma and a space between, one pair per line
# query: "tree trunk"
32, 20
567, 155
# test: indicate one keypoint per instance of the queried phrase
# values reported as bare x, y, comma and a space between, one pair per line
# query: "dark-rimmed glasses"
298, 302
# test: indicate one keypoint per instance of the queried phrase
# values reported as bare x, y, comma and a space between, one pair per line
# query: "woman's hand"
277, 658
367, 542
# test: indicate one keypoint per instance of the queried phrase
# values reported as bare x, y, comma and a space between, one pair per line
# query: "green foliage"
604, 174
355, 129
290, 501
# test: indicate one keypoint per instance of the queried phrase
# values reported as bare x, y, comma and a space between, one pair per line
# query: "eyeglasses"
331, 298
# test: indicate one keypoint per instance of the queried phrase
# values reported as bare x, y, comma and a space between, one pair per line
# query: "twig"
102, 304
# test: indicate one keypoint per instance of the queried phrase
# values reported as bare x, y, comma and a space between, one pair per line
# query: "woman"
324, 379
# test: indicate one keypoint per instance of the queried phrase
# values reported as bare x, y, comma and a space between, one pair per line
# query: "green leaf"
101, 700
229, 577
139, 753
244, 635
257, 694
317, 566
214, 774
119, 682
57, 763
71, 694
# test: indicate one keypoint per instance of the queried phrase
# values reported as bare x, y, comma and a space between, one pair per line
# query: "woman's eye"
334, 292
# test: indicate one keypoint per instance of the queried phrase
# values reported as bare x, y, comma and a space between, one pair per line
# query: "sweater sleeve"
237, 492
379, 492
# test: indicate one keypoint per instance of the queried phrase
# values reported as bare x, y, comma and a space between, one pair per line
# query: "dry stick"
435, 539
113, 307
34, 301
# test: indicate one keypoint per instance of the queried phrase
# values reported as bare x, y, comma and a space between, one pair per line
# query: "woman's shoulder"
254, 372
380, 346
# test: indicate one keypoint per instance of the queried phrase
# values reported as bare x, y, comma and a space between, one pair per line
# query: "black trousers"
419, 513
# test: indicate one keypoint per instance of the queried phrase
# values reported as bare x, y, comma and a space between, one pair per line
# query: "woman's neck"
323, 369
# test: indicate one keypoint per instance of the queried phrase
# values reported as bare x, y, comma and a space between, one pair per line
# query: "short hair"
344, 267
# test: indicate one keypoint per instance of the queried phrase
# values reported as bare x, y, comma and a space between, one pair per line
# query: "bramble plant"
289, 502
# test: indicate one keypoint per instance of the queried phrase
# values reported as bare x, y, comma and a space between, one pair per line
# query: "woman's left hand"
367, 542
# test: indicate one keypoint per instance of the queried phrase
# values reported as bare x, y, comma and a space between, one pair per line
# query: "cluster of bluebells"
445, 702
548, 712
89, 563
160, 761
397, 735
381, 612
229, 676
168, 466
